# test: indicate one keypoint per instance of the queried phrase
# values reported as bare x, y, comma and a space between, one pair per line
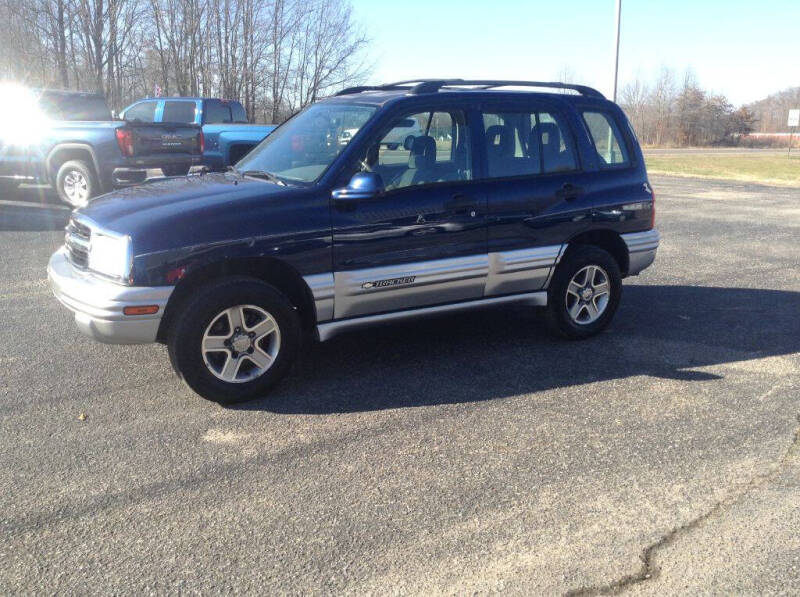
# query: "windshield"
302, 149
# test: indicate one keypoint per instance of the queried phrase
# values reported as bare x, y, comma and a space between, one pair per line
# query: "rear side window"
74, 107
217, 112
527, 143
178, 112
238, 113
607, 139
144, 112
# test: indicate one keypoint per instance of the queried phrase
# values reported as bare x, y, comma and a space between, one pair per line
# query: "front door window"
422, 148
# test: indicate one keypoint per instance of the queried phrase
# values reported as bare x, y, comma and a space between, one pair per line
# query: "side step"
329, 329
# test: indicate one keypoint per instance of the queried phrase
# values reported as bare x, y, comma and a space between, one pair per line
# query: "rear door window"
178, 111
553, 135
216, 112
142, 112
238, 113
527, 143
607, 138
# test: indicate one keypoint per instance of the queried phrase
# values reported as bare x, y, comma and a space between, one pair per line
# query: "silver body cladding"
343, 295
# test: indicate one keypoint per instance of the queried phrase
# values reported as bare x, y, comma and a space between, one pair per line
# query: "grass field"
769, 169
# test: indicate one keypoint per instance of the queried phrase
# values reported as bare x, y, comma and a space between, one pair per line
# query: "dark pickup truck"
71, 141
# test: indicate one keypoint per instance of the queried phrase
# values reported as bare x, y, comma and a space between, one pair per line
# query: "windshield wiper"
263, 174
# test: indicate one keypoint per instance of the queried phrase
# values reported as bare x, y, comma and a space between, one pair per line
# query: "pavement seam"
649, 570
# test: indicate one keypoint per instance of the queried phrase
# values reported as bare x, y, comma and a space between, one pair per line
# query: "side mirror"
363, 185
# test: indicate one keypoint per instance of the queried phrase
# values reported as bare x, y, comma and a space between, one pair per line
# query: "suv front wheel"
584, 293
234, 340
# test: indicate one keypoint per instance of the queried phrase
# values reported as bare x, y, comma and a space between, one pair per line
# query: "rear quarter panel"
98, 138
622, 198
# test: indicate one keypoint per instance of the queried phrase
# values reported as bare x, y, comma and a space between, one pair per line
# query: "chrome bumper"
642, 247
98, 303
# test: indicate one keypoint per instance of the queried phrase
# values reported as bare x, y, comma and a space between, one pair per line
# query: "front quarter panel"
294, 229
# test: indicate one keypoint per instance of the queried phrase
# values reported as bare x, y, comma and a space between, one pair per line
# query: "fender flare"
61, 146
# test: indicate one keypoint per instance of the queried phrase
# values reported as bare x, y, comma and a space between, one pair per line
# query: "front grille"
76, 242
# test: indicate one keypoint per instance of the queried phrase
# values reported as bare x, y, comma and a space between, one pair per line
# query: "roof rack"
420, 86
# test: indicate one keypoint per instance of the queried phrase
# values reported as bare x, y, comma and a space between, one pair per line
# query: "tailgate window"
178, 111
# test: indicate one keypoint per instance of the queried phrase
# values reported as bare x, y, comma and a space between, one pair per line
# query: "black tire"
186, 334
557, 312
89, 186
175, 170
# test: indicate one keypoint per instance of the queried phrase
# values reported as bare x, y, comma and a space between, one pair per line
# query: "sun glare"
22, 122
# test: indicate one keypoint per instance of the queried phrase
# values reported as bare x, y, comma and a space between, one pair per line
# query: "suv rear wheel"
584, 293
234, 340
76, 183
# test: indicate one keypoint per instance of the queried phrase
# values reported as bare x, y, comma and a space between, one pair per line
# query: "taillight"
125, 141
201, 142
653, 209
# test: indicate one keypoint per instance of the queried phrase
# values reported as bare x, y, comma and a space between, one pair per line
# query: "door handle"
460, 203
569, 192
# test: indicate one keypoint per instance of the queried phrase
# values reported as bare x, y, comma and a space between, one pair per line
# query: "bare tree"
330, 50
274, 56
634, 99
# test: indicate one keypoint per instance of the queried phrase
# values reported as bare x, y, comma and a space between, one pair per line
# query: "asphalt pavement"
471, 453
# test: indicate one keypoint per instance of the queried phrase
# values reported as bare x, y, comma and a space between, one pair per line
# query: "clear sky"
744, 49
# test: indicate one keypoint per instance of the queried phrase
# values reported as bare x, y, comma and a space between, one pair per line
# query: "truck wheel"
175, 170
76, 183
584, 293
234, 340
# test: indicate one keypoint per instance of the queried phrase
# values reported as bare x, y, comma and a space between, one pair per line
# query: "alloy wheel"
241, 343
76, 188
588, 294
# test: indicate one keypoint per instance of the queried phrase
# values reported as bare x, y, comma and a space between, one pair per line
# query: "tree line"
275, 56
772, 112
667, 111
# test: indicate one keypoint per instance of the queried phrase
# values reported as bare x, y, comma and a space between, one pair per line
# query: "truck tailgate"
165, 138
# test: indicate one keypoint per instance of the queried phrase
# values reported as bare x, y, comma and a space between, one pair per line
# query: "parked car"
346, 136
69, 140
537, 198
227, 132
403, 134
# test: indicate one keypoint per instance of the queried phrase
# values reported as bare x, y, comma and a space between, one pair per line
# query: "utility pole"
616, 48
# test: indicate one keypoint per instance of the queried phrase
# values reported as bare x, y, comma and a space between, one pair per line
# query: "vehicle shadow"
32, 208
659, 331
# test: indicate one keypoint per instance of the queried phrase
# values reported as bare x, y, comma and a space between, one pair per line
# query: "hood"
172, 211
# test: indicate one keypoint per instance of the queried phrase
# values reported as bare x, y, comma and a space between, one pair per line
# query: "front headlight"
111, 256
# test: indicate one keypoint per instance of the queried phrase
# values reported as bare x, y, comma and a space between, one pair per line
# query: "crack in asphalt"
649, 570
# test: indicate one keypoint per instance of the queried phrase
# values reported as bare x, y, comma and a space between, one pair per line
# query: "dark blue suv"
340, 219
